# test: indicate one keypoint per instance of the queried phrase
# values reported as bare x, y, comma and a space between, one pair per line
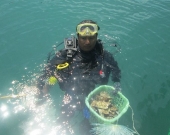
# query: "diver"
79, 67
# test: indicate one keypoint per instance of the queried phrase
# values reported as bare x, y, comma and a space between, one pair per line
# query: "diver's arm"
42, 84
46, 89
42, 81
115, 71
43, 87
116, 75
49, 71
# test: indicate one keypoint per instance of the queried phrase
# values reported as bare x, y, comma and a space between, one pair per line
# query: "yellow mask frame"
87, 29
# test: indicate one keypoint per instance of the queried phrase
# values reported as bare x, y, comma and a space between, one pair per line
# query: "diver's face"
87, 43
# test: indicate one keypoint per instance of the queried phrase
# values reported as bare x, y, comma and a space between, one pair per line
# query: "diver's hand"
43, 95
41, 99
117, 87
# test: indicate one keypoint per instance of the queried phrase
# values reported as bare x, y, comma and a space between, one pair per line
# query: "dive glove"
117, 87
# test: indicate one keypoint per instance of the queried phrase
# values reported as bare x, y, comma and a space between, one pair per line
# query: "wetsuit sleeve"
45, 74
115, 71
50, 68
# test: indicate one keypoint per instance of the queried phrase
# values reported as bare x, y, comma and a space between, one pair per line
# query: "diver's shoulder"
59, 57
61, 53
106, 52
108, 56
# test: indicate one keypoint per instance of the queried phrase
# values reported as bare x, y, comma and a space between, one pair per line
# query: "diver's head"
87, 32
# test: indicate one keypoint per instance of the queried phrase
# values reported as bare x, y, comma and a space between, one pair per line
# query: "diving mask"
87, 29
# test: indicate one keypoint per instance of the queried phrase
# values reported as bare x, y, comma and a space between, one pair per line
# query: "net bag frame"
119, 100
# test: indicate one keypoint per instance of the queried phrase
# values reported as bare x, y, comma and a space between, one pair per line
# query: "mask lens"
84, 27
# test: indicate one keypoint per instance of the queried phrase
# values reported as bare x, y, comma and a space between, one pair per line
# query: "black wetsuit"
82, 74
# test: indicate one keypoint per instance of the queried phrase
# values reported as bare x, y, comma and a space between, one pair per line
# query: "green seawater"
29, 29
